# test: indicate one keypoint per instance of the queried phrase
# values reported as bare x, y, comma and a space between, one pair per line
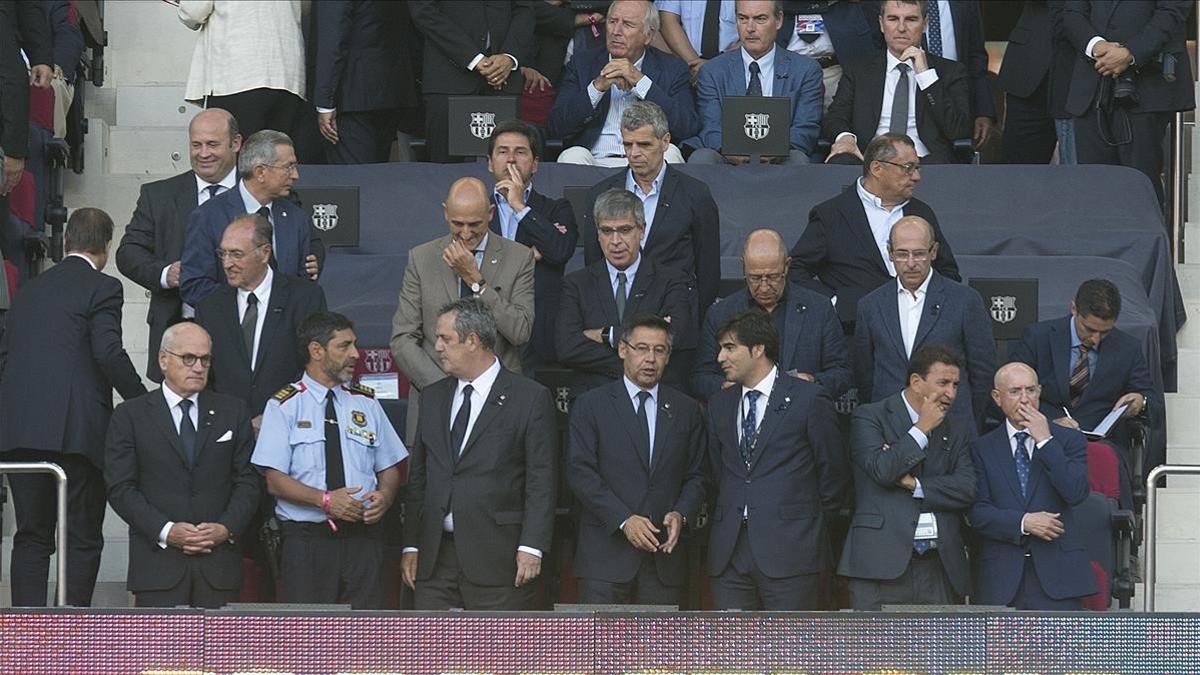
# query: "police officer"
331, 460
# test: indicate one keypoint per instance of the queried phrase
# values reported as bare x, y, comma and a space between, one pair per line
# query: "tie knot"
265, 212
213, 189
251, 299
467, 391
902, 67
1021, 437
643, 397
185, 405
752, 396
1083, 349
330, 395
754, 67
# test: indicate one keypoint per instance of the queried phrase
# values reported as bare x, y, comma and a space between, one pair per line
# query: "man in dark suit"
600, 84
526, 216
267, 168
471, 49
913, 480
1088, 367
1025, 76
14, 121
151, 249
781, 472
364, 77
843, 251
483, 477
1030, 474
683, 227
877, 94
810, 336
922, 308
1132, 71
253, 319
60, 358
954, 30
759, 68
597, 299
177, 464
832, 33
635, 462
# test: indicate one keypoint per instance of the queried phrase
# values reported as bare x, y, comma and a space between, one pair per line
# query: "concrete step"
1179, 562
1189, 274
149, 43
1178, 515
1170, 597
153, 105
1189, 362
148, 150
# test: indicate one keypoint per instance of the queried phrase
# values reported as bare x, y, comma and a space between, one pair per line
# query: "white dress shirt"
923, 80
262, 293
766, 70
609, 143
765, 386
911, 305
691, 17
881, 219
651, 407
85, 258
173, 401
649, 199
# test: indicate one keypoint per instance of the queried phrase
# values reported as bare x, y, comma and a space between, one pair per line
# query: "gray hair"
260, 150
642, 113
618, 202
650, 22
472, 316
170, 337
776, 7
263, 233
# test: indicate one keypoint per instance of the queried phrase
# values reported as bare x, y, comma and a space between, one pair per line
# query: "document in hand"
1106, 424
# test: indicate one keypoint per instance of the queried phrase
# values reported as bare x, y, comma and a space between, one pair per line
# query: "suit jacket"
796, 77
943, 108
501, 488
880, 542
455, 32
1030, 50
1120, 368
968, 39
608, 471
1057, 483
853, 27
577, 122
811, 341
14, 84
685, 233
553, 28
953, 316
150, 482
362, 57
153, 240
202, 273
539, 228
588, 302
798, 475
429, 284
60, 358
280, 360
828, 261
1148, 30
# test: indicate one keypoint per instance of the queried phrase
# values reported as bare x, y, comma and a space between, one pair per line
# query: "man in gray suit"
913, 479
483, 475
467, 262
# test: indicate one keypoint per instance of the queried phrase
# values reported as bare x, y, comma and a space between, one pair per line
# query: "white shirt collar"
871, 199
228, 181
765, 386
87, 259
173, 399
249, 200
631, 183
262, 291
634, 389
481, 385
765, 62
630, 272
483, 242
912, 412
921, 290
892, 62
1012, 431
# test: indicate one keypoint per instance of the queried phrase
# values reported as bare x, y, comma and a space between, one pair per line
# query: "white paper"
386, 385
926, 527
1107, 423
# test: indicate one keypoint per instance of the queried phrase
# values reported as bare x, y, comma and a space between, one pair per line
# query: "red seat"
1103, 473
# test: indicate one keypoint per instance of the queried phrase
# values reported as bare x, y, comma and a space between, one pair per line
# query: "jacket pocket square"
228, 435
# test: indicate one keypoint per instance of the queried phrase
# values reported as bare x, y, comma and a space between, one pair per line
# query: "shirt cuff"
516, 64
843, 134
642, 88
612, 342
918, 436
162, 534
927, 78
529, 550
918, 493
594, 94
1039, 445
1087, 51
410, 549
162, 278
326, 110
522, 213
474, 62
1023, 532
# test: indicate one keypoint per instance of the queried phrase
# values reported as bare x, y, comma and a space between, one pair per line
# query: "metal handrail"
1152, 520
60, 476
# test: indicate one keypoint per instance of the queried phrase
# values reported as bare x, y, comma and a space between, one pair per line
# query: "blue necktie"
749, 426
1021, 457
935, 29
922, 546
755, 86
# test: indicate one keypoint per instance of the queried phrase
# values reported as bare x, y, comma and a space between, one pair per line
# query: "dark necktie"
621, 295
458, 430
899, 121
213, 190
1021, 457
749, 426
249, 323
934, 32
1079, 376
710, 38
335, 471
644, 424
265, 212
187, 431
755, 86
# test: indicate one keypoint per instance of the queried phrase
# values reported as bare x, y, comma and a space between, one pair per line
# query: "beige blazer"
429, 284
244, 45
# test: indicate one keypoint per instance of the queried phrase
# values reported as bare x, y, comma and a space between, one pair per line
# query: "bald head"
213, 144
181, 332
1014, 374
765, 262
468, 209
914, 228
181, 343
912, 249
764, 245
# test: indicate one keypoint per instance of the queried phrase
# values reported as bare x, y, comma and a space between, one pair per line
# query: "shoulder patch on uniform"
360, 389
286, 393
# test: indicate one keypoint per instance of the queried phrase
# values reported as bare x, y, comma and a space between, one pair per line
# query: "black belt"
826, 61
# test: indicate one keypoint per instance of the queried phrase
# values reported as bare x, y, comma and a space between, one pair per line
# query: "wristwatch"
606, 335
477, 287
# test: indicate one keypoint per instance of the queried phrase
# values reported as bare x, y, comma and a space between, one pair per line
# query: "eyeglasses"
190, 360
642, 349
624, 231
915, 256
760, 279
286, 168
1015, 392
908, 169
236, 255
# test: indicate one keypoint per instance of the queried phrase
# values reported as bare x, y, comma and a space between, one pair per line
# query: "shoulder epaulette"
360, 389
288, 392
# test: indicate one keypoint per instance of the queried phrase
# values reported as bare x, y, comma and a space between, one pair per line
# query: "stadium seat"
1108, 530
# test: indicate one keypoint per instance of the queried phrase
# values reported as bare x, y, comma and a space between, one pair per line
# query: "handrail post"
1151, 524
60, 476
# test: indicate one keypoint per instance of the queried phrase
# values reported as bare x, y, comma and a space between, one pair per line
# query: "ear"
996, 397
933, 251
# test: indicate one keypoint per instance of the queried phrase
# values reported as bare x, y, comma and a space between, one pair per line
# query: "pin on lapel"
501, 399
494, 261
787, 402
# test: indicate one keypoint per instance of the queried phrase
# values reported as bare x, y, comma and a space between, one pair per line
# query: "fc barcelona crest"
1004, 308
325, 216
359, 418
757, 126
483, 124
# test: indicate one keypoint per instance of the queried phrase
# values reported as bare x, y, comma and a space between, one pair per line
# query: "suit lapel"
492, 260
891, 319
666, 193
780, 86
235, 326
1060, 355
627, 417
207, 415
855, 217
603, 290
777, 407
793, 322
1004, 455
873, 91
449, 278
935, 297
496, 400
161, 415
637, 293
663, 426
271, 323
